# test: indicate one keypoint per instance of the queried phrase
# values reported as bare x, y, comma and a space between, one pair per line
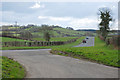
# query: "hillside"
67, 32
34, 30
6, 39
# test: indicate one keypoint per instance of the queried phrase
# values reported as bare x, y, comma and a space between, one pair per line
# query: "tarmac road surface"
40, 63
89, 42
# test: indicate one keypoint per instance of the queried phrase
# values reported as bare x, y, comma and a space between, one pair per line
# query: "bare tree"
46, 32
26, 34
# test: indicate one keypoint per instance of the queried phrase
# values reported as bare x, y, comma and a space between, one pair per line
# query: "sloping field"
68, 32
6, 39
55, 39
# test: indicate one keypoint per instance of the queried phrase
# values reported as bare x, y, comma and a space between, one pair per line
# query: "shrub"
116, 41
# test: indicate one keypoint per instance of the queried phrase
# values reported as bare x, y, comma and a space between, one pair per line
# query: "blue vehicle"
87, 38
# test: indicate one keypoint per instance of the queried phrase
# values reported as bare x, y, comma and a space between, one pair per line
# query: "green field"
61, 32
70, 32
100, 53
6, 39
56, 39
11, 69
57, 32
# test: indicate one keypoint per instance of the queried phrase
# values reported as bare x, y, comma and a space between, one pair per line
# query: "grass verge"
100, 53
12, 69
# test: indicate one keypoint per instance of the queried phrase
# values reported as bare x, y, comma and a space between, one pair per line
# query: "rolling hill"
57, 31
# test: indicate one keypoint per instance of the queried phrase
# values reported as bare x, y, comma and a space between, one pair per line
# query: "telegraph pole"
16, 29
16, 23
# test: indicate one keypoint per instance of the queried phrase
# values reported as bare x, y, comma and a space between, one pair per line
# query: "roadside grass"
55, 38
46, 47
100, 53
6, 39
11, 69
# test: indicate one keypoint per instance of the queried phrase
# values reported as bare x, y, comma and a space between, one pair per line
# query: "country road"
89, 42
40, 63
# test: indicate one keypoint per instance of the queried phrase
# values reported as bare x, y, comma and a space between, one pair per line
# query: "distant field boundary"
36, 43
16, 37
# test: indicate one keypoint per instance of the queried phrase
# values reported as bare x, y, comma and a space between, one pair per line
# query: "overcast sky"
78, 15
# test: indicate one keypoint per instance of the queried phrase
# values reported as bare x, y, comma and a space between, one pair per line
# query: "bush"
116, 41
